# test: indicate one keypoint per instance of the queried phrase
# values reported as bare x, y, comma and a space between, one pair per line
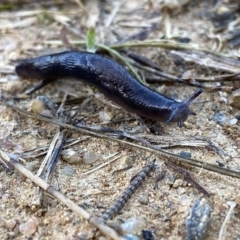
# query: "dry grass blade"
227, 219
116, 156
210, 60
169, 156
50, 189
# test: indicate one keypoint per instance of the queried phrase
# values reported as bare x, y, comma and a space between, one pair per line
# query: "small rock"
132, 172
131, 237
147, 235
105, 117
178, 183
220, 118
90, 157
197, 221
5, 197
133, 225
71, 156
102, 238
36, 106
31, 166
130, 160
29, 227
233, 121
68, 171
234, 100
143, 200
10, 224
162, 89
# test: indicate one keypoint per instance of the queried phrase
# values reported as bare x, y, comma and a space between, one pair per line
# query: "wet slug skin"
110, 78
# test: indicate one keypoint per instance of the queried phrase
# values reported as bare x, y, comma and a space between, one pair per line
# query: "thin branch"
61, 198
151, 148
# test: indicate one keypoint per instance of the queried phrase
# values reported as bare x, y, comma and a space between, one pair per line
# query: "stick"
50, 189
151, 148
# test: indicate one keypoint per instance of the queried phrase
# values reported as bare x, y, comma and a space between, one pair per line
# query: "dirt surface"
29, 30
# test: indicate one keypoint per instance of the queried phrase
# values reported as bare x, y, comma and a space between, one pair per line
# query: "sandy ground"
25, 32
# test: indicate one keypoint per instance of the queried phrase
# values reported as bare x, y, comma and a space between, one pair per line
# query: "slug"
110, 78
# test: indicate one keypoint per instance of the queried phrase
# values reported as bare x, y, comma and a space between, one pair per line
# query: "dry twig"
149, 147
56, 194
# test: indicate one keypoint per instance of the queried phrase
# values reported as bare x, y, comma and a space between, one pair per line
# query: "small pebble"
131, 237
130, 160
234, 100
133, 225
105, 117
147, 235
31, 166
185, 155
71, 156
178, 183
102, 238
162, 89
5, 197
220, 118
143, 200
197, 221
36, 106
233, 121
1, 192
68, 171
30, 227
90, 157
10, 224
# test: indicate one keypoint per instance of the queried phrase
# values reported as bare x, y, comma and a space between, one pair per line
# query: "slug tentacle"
113, 80
180, 113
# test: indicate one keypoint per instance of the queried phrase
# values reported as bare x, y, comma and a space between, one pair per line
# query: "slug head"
181, 110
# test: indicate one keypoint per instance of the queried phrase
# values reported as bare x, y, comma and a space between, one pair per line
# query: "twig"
169, 156
55, 155
165, 44
122, 169
188, 178
104, 164
114, 13
61, 198
226, 220
49, 153
129, 191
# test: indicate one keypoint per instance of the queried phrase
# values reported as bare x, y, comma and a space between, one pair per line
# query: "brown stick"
149, 147
98, 223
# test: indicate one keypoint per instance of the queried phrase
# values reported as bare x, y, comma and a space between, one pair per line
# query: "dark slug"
112, 80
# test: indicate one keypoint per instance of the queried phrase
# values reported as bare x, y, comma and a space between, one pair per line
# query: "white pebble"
133, 225
90, 157
71, 156
105, 116
29, 227
10, 224
233, 121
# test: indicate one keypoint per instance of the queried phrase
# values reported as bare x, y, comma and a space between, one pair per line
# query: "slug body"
113, 80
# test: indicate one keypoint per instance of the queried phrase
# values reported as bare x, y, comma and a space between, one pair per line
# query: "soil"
32, 29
